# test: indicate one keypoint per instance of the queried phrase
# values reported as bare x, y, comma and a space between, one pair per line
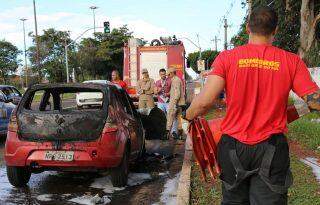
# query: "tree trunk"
287, 5
307, 29
249, 7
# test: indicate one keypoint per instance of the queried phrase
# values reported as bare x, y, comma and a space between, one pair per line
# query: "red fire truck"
163, 53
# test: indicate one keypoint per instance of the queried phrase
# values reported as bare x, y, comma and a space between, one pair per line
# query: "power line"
225, 16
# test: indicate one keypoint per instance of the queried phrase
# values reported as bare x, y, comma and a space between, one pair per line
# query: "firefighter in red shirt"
115, 78
253, 152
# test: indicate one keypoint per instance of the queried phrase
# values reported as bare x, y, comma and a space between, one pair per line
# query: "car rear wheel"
18, 176
119, 175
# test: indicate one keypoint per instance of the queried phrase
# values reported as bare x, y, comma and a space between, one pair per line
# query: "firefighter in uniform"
253, 152
177, 99
145, 89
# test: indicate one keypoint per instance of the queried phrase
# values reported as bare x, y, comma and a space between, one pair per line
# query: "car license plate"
66, 156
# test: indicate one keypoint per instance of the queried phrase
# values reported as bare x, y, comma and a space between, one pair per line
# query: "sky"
148, 19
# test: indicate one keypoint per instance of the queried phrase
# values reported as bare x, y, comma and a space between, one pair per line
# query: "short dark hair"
162, 70
263, 20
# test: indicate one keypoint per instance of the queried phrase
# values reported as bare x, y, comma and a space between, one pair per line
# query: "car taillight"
110, 126
13, 125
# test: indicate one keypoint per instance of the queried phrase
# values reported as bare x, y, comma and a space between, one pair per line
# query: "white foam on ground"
313, 163
5, 186
87, 200
44, 197
106, 184
169, 194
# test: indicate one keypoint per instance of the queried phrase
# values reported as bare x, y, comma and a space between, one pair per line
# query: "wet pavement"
145, 184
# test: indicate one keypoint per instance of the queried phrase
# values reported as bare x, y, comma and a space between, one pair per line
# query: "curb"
183, 192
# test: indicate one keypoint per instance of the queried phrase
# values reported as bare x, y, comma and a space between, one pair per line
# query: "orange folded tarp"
205, 137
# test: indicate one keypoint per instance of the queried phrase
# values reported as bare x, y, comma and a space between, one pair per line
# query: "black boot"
166, 136
175, 136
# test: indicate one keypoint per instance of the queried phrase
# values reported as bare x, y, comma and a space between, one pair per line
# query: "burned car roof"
70, 85
74, 85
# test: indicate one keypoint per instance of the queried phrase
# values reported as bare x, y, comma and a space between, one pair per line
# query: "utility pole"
66, 59
225, 34
200, 54
25, 52
93, 8
37, 39
215, 40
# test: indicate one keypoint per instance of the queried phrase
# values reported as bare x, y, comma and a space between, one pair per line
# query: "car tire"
119, 175
18, 176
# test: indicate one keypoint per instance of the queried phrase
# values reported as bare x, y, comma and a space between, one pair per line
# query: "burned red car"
48, 131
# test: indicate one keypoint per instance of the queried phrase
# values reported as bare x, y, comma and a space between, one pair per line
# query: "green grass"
204, 193
306, 132
66, 96
305, 190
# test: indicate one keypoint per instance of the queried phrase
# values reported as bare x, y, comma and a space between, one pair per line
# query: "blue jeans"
164, 108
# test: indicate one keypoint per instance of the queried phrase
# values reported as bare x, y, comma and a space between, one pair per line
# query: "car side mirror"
3, 99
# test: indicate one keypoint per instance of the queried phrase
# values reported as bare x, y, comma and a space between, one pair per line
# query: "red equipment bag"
206, 136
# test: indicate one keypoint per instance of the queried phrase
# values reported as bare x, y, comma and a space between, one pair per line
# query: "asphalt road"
147, 182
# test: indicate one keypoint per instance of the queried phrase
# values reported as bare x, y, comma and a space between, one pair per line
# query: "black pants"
254, 174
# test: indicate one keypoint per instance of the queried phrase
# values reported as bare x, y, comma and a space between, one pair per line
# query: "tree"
111, 48
100, 55
296, 27
310, 15
90, 63
208, 56
8, 59
52, 55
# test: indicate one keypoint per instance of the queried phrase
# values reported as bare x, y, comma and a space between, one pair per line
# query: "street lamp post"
94, 17
37, 39
25, 51
66, 50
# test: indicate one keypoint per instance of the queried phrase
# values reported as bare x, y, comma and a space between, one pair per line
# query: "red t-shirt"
258, 81
121, 84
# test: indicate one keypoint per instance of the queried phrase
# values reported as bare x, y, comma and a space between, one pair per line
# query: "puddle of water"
138, 178
313, 163
169, 194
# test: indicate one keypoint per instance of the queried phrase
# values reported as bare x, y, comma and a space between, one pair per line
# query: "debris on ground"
91, 200
314, 164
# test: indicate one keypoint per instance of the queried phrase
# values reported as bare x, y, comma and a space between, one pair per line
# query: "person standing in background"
115, 78
177, 99
162, 89
145, 90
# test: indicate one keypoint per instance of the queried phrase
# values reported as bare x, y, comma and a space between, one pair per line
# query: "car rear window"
65, 99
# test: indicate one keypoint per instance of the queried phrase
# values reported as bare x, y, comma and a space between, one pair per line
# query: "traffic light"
106, 26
